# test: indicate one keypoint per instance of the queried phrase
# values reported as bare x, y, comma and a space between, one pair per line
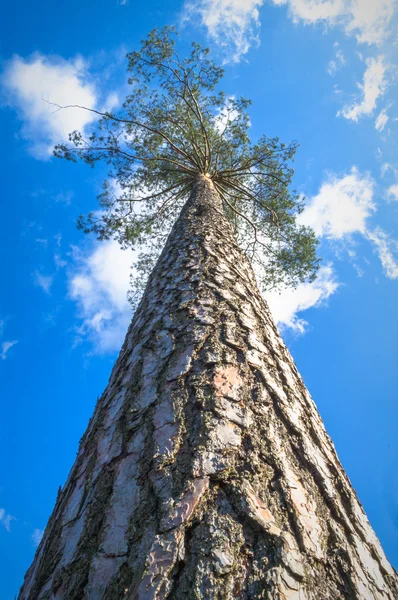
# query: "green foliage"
174, 125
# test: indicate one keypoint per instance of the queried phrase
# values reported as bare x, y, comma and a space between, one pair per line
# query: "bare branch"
130, 122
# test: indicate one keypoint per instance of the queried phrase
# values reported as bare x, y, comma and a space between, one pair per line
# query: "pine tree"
205, 471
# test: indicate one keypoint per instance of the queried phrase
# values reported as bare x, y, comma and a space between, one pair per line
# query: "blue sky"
322, 73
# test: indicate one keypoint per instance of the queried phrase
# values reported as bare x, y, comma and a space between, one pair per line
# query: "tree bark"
205, 471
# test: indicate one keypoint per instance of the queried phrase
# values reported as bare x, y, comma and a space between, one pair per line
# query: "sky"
323, 73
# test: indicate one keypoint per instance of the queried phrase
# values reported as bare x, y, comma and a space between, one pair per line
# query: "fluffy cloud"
6, 519
232, 24
342, 208
373, 87
99, 285
286, 304
392, 192
368, 20
30, 84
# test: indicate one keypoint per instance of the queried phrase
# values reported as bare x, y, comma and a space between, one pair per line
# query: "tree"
205, 471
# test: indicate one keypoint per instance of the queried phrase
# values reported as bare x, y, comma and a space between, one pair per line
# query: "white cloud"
342, 206
232, 24
373, 87
60, 263
337, 62
5, 348
37, 536
6, 519
43, 281
341, 209
386, 248
99, 285
368, 20
64, 197
43, 242
392, 191
286, 305
385, 168
382, 120
29, 83
226, 115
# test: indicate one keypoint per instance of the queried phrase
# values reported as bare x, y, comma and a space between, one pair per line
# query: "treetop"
174, 125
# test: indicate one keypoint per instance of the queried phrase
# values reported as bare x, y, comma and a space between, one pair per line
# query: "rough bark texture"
205, 471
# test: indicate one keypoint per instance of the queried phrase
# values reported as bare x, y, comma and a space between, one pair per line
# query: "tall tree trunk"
205, 471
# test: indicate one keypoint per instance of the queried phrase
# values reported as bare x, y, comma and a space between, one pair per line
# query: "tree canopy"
174, 125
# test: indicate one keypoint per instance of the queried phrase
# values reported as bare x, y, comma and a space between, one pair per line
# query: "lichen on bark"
205, 472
